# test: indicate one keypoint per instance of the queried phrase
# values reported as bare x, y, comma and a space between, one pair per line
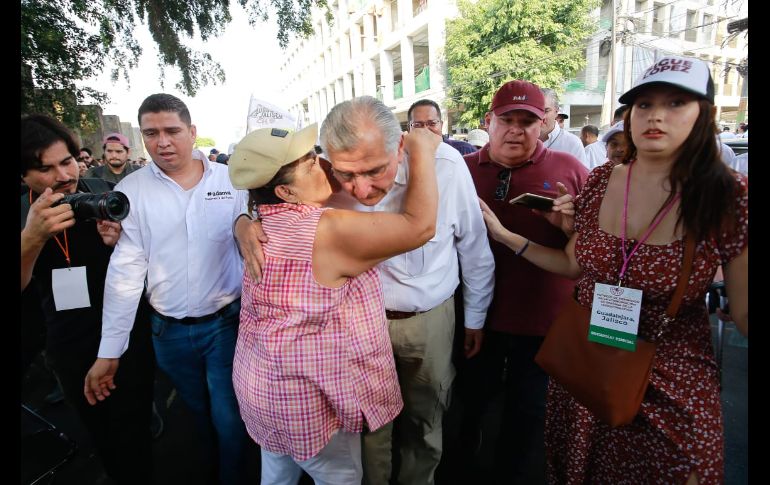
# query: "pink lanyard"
655, 222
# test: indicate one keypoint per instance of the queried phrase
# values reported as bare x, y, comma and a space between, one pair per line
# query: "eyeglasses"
423, 124
504, 179
82, 159
372, 175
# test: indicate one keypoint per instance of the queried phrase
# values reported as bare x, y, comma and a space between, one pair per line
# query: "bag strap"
681, 285
684, 277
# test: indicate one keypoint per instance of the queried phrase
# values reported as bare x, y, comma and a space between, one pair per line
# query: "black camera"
112, 206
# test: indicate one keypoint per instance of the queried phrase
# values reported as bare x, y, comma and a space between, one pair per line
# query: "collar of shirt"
160, 173
554, 134
537, 156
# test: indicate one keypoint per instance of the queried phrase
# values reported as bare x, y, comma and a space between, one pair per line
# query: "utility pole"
612, 58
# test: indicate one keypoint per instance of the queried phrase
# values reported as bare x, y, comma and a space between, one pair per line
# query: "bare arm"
352, 242
737, 285
559, 261
250, 237
43, 222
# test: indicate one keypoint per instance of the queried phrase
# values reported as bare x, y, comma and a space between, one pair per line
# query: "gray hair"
550, 93
341, 130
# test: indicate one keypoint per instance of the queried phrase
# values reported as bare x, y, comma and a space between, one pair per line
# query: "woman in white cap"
615, 140
313, 364
631, 221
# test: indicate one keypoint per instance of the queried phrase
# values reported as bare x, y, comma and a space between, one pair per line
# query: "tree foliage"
202, 141
495, 41
64, 41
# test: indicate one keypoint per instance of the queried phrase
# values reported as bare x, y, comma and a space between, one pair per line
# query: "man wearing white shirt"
742, 164
362, 139
553, 136
596, 150
178, 238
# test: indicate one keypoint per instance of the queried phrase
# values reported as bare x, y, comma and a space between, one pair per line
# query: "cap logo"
523, 97
680, 65
279, 132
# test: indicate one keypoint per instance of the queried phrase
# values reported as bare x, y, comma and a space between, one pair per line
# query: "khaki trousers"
422, 347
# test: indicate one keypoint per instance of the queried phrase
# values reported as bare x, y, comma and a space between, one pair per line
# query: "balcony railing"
422, 80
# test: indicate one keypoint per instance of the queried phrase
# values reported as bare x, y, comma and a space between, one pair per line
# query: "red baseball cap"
116, 138
519, 95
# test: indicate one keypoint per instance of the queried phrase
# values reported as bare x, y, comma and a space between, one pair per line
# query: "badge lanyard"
64, 248
653, 225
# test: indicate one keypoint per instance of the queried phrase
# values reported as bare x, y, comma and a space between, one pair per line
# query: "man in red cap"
526, 298
116, 166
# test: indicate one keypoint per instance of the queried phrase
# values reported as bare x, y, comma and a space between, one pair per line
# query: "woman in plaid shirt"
313, 364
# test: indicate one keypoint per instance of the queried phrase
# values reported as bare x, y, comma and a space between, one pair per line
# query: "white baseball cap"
691, 75
478, 137
614, 130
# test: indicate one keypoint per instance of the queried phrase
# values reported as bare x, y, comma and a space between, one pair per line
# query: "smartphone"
533, 201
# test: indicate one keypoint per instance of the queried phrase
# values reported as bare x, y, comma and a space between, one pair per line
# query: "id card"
70, 288
615, 316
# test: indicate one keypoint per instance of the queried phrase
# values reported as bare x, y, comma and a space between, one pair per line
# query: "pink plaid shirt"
310, 359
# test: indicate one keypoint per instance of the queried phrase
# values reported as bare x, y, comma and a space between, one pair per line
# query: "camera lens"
115, 205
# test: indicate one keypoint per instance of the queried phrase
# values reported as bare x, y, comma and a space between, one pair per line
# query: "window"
691, 32
708, 28
640, 22
657, 19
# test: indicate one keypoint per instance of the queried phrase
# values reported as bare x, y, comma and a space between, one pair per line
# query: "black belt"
196, 320
397, 315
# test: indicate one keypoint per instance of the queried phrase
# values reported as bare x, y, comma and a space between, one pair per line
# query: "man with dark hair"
596, 150
66, 261
116, 166
85, 157
515, 161
178, 238
427, 113
620, 111
589, 134
213, 154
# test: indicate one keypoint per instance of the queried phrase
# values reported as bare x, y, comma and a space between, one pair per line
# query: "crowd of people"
303, 294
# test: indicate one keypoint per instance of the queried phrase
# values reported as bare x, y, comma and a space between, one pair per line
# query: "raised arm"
350, 242
43, 222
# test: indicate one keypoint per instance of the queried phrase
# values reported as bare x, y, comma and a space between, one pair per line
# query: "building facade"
390, 49
393, 50
649, 29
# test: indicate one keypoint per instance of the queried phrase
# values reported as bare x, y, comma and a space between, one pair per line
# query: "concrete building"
392, 49
647, 30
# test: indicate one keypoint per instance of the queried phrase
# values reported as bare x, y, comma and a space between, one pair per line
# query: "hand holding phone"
534, 201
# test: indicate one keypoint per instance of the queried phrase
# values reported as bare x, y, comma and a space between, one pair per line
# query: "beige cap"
262, 153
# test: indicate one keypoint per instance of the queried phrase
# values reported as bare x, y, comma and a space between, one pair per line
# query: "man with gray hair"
363, 141
553, 136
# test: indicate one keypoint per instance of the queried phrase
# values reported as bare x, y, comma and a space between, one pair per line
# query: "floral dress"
679, 426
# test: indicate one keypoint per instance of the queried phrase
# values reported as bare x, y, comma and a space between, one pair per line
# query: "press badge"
70, 288
615, 316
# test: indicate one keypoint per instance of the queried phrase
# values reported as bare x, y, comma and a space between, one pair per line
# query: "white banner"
265, 115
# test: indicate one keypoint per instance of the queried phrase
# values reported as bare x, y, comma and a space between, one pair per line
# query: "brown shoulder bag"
609, 381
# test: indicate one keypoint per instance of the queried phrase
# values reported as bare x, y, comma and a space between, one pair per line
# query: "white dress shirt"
596, 154
564, 141
727, 153
423, 278
181, 241
742, 164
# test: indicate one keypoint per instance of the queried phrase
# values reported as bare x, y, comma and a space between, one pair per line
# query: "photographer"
66, 258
